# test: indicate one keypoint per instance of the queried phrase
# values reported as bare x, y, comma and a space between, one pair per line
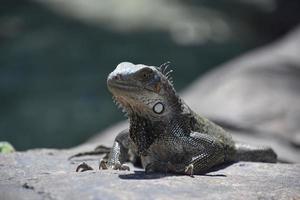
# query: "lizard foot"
83, 167
189, 170
117, 166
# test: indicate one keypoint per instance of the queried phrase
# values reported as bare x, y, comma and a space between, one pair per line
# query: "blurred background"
55, 55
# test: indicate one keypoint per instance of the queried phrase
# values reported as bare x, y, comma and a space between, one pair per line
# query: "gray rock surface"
48, 174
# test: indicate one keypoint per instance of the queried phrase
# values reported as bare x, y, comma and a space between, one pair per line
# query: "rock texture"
48, 174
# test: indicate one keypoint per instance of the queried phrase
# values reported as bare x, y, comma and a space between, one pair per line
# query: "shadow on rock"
140, 175
137, 175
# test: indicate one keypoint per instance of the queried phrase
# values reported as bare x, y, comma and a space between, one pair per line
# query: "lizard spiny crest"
163, 68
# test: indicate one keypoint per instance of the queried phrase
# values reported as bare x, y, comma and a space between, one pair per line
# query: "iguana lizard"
164, 132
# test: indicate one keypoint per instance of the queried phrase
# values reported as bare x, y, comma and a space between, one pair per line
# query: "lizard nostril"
117, 77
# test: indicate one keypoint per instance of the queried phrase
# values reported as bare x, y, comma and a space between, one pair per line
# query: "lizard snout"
114, 77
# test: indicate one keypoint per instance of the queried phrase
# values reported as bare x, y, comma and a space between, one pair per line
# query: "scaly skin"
164, 132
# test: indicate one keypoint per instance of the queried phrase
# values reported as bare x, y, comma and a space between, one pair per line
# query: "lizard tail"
245, 152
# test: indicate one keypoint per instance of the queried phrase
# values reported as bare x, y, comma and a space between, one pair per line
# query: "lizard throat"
144, 132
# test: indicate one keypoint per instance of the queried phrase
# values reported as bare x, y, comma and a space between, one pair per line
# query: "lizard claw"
103, 164
189, 170
83, 167
117, 166
123, 167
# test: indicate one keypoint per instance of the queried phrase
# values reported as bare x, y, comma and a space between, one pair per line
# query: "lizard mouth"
120, 86
124, 86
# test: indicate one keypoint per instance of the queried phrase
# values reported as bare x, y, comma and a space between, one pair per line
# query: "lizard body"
164, 132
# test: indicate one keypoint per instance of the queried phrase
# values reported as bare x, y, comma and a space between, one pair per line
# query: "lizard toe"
83, 167
103, 164
189, 170
124, 167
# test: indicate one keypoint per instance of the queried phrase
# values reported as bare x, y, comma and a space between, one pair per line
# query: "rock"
48, 174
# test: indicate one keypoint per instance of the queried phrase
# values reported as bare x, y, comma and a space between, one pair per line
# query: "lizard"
164, 133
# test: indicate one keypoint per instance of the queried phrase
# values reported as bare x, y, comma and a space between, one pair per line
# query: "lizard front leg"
118, 154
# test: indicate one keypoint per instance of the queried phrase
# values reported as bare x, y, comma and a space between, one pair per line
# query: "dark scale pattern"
143, 132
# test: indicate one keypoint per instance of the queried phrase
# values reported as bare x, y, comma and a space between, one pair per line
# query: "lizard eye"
158, 108
146, 74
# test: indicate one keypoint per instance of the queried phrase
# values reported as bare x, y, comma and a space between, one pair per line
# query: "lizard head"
144, 90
